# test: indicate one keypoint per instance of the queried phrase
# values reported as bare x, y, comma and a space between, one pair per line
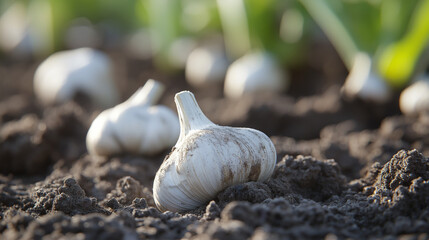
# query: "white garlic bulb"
208, 158
134, 126
206, 65
66, 73
255, 72
364, 83
15, 34
138, 44
82, 33
415, 98
23, 30
179, 52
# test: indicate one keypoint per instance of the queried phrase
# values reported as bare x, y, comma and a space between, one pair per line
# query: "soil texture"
346, 169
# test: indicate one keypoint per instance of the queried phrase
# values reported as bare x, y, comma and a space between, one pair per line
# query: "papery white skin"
208, 158
364, 83
415, 98
65, 73
134, 126
206, 65
254, 72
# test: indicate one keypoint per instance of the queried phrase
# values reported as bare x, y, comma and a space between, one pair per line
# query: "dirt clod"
308, 177
403, 182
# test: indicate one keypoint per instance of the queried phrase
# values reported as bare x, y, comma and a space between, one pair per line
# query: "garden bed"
346, 168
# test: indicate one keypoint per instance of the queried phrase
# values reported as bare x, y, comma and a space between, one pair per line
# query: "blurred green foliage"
401, 59
166, 20
250, 25
394, 32
49, 19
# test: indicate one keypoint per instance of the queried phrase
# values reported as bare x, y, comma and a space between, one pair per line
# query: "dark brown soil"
346, 169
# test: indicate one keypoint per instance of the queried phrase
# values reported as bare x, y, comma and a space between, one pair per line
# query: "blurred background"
314, 43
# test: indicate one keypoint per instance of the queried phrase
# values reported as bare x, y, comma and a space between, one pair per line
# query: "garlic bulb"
66, 73
206, 65
23, 28
254, 72
82, 33
208, 158
415, 98
362, 82
134, 126
138, 44
15, 34
179, 52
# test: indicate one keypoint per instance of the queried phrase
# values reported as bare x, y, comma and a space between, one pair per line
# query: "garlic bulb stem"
149, 94
190, 114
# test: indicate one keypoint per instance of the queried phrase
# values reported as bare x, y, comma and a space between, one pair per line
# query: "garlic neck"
147, 95
190, 115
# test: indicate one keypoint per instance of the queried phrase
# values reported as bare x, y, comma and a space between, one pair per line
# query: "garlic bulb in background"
179, 52
14, 33
208, 158
206, 65
16, 36
254, 72
415, 98
139, 45
82, 33
364, 83
66, 73
134, 126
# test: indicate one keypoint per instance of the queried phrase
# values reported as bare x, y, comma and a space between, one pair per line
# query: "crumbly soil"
346, 169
